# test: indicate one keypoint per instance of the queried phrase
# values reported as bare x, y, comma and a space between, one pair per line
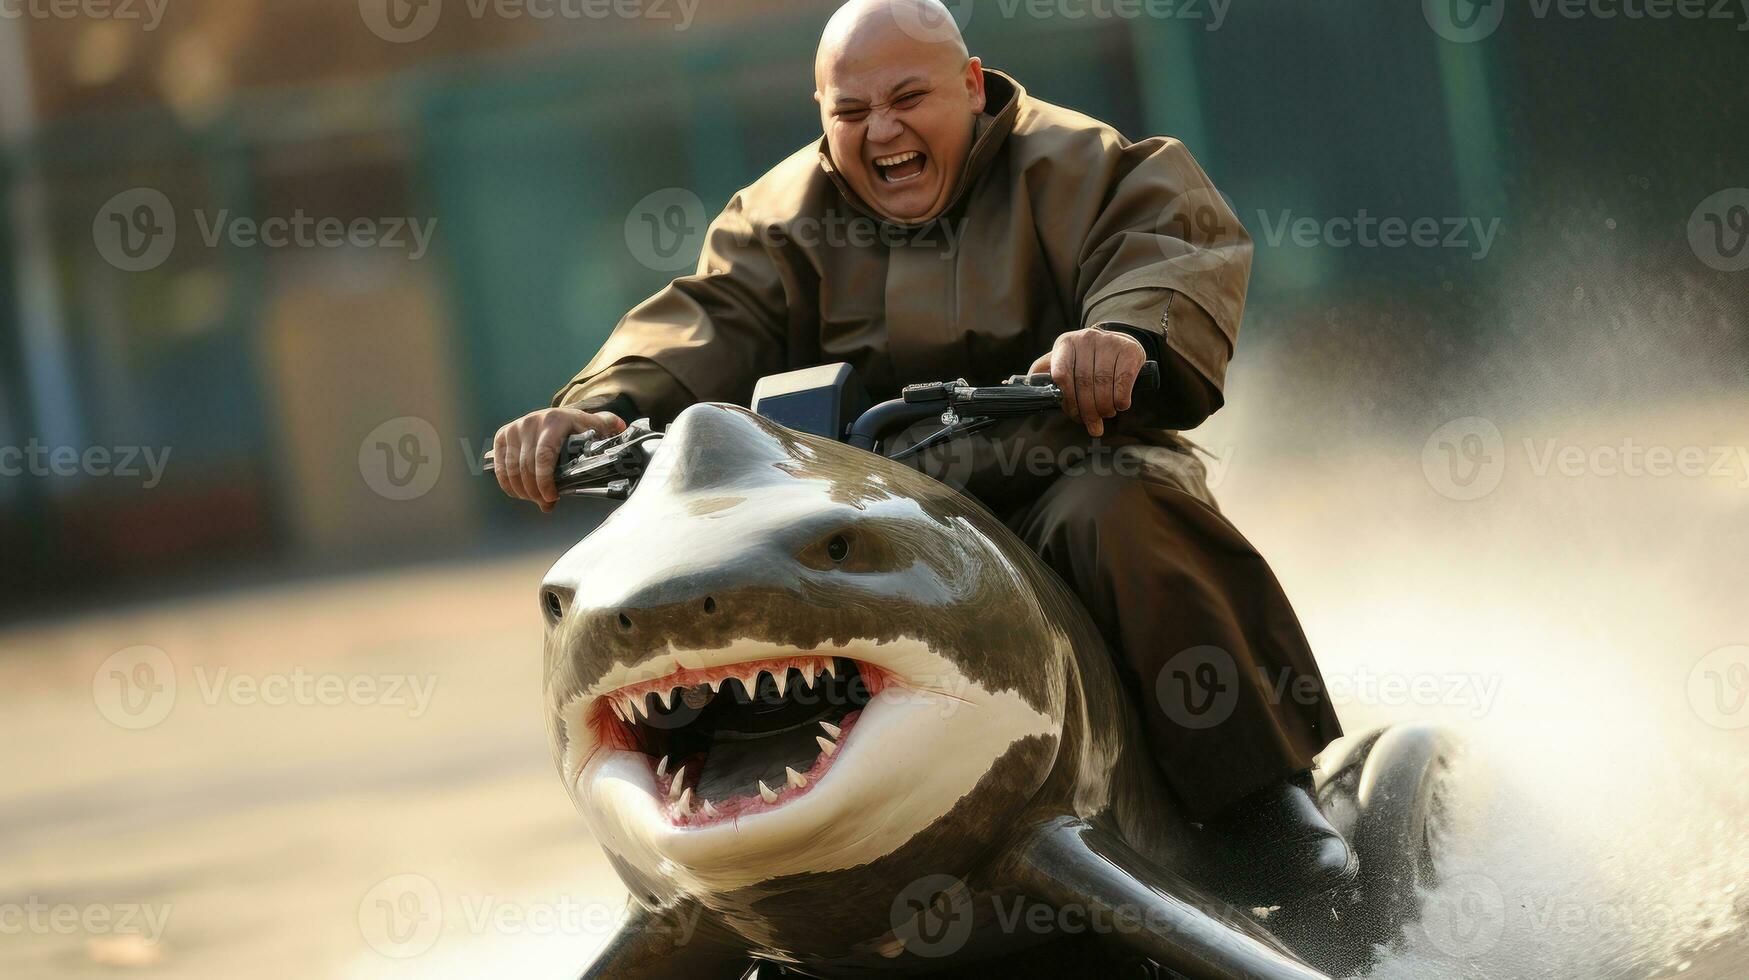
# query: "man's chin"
908, 207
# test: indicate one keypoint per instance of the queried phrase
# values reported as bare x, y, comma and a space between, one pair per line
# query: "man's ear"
975, 84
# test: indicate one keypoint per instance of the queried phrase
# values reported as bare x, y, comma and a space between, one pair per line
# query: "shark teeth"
631, 703
674, 787
709, 811
794, 778
826, 745
765, 793
831, 729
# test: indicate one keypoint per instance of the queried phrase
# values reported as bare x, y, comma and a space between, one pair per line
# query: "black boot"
1285, 848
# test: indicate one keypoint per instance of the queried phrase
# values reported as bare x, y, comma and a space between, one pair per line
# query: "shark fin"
677, 941
1070, 863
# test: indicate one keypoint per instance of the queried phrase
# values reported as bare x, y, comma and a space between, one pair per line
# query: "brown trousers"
1205, 638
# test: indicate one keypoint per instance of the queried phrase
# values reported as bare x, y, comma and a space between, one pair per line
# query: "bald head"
899, 99
927, 25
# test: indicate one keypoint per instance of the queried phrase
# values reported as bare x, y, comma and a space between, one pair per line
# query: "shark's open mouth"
729, 741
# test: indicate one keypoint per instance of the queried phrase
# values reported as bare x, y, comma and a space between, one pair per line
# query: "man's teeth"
894, 161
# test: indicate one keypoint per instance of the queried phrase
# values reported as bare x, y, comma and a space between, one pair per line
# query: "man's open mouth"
725, 742
901, 167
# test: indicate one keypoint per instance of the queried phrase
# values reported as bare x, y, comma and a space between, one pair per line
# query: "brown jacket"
1058, 223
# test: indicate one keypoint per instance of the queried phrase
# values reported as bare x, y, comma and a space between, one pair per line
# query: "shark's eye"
854, 549
553, 605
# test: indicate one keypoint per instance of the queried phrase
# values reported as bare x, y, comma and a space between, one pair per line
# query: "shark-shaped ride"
829, 717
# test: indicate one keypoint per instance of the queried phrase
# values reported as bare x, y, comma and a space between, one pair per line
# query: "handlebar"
610, 468
1022, 394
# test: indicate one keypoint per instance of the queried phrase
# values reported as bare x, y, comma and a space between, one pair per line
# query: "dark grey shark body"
1075, 817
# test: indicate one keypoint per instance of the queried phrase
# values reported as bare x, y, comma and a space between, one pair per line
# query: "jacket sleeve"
1166, 258
705, 337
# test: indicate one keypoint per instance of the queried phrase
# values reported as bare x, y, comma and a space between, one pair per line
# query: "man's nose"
883, 127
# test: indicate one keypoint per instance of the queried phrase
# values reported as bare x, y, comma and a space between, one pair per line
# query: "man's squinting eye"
910, 101
852, 115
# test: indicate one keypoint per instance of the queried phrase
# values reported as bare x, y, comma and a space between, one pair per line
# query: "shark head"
787, 657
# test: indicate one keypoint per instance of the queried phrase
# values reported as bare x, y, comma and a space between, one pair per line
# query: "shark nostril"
710, 605
625, 622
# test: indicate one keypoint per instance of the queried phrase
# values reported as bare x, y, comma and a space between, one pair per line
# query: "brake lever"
583, 444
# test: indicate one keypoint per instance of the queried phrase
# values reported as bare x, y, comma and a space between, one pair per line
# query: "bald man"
985, 233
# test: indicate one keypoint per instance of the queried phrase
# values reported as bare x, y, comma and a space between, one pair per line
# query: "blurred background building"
529, 142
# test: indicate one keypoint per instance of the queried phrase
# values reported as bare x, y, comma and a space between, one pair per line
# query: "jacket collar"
989, 136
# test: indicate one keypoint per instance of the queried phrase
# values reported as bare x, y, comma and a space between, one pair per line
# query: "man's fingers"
530, 465
1105, 380
501, 462
1063, 376
521, 482
1129, 367
1040, 366
546, 462
1086, 402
